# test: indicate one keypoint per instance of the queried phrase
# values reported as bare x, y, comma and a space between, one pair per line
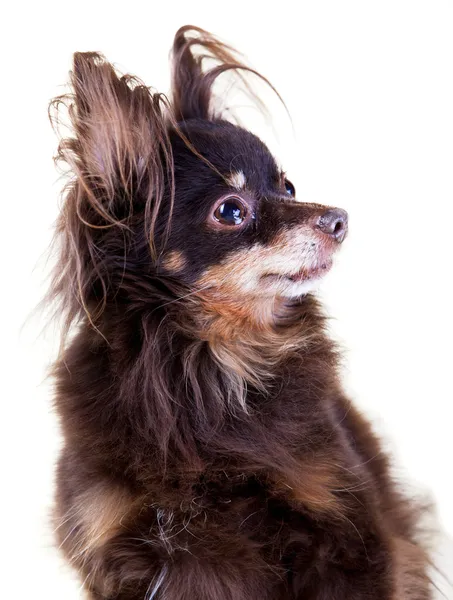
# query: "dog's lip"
311, 273
304, 274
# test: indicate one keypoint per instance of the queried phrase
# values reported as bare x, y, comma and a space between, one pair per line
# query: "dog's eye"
231, 212
289, 187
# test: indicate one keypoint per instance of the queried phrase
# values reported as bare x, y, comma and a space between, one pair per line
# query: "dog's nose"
334, 222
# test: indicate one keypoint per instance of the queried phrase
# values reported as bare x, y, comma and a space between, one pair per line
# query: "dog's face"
237, 229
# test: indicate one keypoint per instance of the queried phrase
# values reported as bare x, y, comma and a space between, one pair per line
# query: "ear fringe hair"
120, 149
192, 95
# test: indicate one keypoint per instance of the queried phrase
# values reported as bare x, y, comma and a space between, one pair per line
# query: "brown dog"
210, 453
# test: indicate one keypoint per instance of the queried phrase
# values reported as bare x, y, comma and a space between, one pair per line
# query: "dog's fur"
210, 453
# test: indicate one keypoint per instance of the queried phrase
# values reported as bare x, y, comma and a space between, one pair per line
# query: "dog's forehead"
239, 155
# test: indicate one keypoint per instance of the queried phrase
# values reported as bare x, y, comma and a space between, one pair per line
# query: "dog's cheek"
240, 272
237, 273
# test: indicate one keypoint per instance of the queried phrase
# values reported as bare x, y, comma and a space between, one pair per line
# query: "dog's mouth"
304, 274
296, 280
307, 274
307, 258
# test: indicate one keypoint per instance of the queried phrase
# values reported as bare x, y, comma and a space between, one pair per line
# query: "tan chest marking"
314, 487
103, 510
97, 515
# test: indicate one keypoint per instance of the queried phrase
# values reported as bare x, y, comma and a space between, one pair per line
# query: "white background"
369, 88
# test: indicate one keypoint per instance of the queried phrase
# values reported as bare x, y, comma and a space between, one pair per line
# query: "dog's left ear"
192, 95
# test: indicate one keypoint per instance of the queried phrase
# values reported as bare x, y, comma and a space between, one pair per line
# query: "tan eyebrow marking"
237, 180
174, 261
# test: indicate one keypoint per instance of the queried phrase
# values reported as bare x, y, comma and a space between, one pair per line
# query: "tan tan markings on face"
238, 313
237, 180
174, 261
292, 250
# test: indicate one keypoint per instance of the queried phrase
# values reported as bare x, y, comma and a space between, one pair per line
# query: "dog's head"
239, 227
169, 191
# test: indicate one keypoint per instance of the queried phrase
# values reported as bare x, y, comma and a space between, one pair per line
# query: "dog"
210, 452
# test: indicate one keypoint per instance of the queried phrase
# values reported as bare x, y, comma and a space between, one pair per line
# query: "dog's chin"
295, 285
298, 289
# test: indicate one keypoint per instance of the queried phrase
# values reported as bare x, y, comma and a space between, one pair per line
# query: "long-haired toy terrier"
210, 452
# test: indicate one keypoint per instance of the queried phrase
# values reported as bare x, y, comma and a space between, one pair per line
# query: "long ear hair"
120, 151
192, 93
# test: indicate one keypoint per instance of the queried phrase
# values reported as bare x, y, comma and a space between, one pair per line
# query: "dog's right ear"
120, 142
120, 160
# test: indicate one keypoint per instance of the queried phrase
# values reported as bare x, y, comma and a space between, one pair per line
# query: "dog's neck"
186, 371
249, 339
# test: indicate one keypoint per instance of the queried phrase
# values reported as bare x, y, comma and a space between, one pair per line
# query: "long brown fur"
210, 452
